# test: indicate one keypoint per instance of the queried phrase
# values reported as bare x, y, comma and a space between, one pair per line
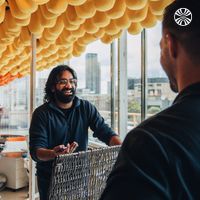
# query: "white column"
122, 86
143, 76
32, 107
113, 80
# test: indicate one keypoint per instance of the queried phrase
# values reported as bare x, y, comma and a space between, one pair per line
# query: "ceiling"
64, 28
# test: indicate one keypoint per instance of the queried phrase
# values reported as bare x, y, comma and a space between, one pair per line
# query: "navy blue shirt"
160, 159
50, 126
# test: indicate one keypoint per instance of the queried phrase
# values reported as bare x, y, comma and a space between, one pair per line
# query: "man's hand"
62, 149
115, 140
49, 154
73, 147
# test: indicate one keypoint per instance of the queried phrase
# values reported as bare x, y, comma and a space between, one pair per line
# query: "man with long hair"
160, 158
60, 125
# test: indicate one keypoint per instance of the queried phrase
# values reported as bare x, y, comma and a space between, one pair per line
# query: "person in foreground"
160, 158
60, 125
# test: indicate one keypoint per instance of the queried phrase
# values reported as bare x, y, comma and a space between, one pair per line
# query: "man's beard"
62, 97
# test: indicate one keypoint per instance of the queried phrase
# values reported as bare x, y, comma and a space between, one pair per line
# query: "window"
14, 107
159, 94
93, 71
134, 80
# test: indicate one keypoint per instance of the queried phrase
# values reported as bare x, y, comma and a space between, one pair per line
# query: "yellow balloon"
10, 23
2, 11
90, 27
111, 29
23, 22
16, 12
123, 22
149, 21
57, 7
67, 24
107, 39
57, 29
76, 2
26, 6
86, 10
47, 23
157, 7
25, 36
136, 4
79, 32
104, 5
2, 2
159, 17
36, 28
135, 28
46, 13
118, 9
40, 2
137, 15
72, 16
100, 33
100, 19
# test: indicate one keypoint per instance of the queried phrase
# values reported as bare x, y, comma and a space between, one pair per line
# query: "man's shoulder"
84, 102
162, 116
86, 107
157, 125
42, 108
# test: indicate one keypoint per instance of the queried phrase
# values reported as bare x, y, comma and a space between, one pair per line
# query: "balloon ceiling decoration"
64, 28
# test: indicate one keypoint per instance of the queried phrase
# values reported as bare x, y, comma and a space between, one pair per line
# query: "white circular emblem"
183, 16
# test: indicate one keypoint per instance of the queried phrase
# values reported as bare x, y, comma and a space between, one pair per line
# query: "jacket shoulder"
85, 103
41, 109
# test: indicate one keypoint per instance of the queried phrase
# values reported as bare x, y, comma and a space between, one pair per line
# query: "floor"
8, 194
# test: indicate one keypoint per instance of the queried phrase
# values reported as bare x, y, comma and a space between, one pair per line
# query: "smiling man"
60, 125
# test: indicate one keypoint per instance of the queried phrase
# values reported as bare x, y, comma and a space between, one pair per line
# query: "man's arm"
45, 154
38, 134
101, 130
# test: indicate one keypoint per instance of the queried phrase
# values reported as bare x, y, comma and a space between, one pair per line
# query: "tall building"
93, 73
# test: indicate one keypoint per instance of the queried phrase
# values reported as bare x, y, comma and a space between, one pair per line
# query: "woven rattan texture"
83, 175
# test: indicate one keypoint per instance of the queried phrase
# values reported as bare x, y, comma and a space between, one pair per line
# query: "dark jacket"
51, 127
160, 159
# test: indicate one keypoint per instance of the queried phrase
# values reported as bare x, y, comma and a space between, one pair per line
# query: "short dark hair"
189, 35
54, 78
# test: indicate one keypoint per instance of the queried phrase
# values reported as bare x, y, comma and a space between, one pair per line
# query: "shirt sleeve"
37, 133
141, 170
97, 124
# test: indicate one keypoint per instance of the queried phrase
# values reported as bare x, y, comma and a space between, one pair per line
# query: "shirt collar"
76, 103
191, 90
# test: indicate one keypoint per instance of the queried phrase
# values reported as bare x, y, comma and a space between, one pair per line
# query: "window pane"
134, 80
41, 78
159, 94
93, 71
14, 109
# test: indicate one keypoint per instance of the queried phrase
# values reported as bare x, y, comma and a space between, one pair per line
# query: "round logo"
183, 16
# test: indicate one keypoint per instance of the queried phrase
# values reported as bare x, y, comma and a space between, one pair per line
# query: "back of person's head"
188, 35
53, 78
